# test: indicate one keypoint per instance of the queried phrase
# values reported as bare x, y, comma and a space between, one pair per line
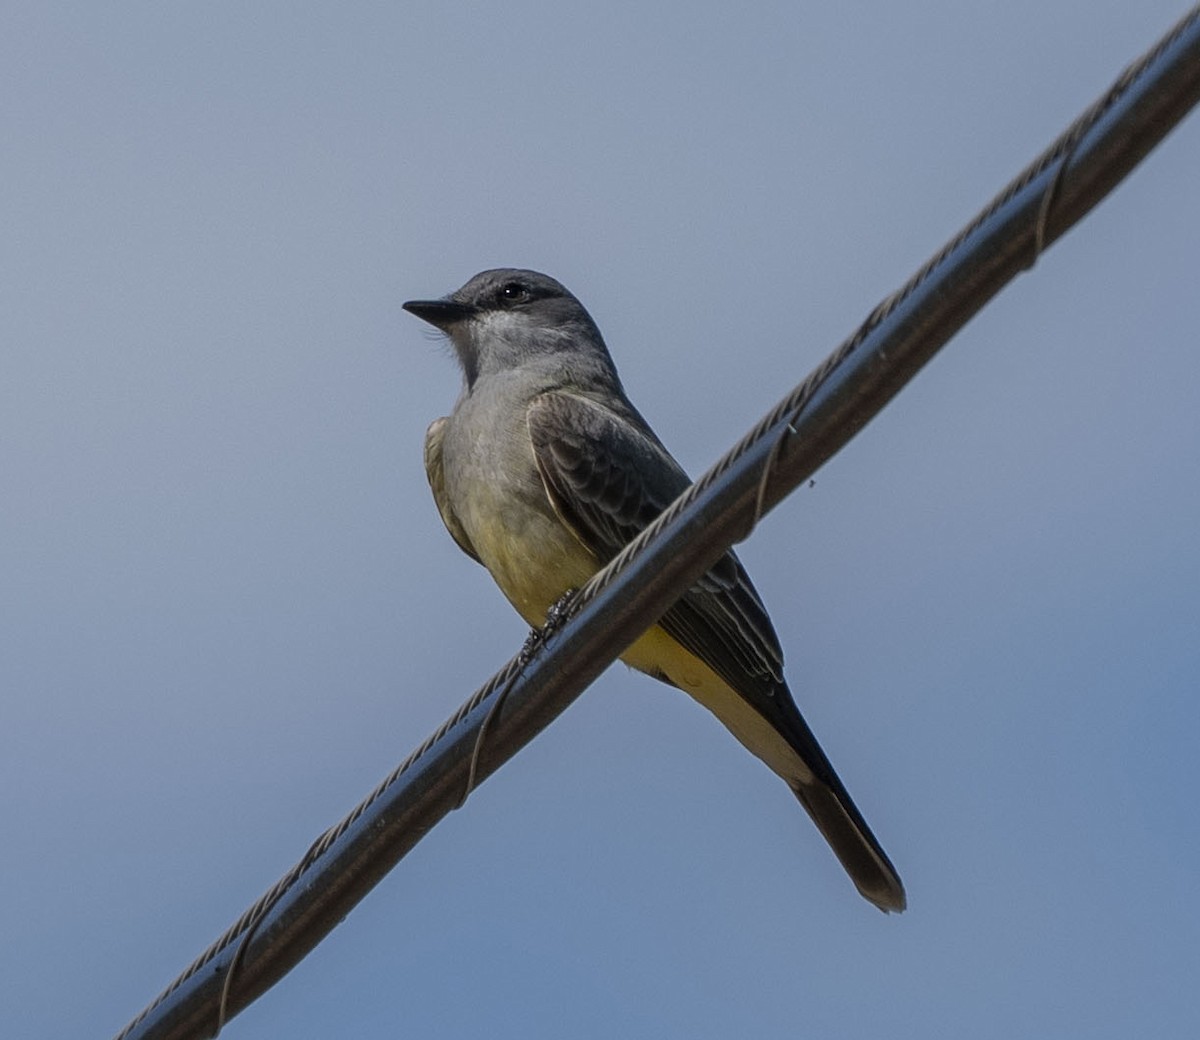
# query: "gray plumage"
544, 471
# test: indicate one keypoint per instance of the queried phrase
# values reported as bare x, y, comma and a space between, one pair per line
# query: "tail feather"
823, 794
853, 843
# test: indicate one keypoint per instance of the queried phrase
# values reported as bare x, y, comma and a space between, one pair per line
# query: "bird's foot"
558, 614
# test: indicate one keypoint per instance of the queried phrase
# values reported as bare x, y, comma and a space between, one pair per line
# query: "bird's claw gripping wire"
558, 615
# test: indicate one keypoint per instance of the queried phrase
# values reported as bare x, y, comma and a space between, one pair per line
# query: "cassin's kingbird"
544, 471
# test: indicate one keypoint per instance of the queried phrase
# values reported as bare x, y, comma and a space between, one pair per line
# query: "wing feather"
608, 477
436, 474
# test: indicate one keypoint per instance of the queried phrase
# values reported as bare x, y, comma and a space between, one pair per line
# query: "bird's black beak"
441, 313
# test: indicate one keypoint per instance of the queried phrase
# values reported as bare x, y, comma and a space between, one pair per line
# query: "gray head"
506, 318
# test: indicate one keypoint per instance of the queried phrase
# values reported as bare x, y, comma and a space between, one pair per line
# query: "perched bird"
544, 471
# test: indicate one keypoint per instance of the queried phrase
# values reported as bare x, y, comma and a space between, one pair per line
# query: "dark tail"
832, 809
853, 843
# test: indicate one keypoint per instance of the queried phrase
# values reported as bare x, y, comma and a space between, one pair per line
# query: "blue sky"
228, 606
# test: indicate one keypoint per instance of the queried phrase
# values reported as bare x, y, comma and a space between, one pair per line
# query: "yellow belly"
534, 562
656, 652
562, 564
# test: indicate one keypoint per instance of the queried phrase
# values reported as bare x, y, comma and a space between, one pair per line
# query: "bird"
544, 470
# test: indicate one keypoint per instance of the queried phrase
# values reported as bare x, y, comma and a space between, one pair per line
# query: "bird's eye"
513, 292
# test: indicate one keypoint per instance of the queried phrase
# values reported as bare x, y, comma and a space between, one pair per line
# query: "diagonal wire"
789, 444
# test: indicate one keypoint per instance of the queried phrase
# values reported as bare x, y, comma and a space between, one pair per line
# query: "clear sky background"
228, 606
